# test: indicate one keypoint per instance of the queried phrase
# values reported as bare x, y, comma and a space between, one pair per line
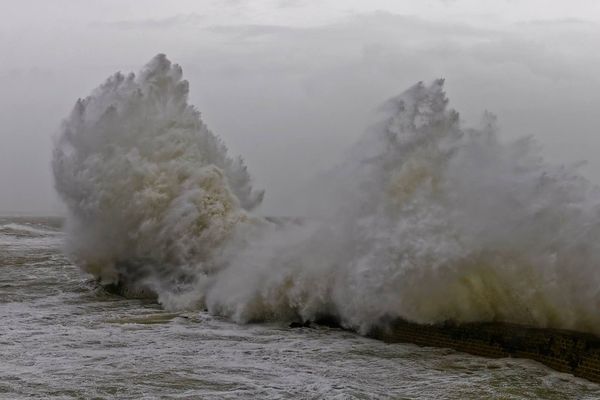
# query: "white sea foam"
25, 229
425, 220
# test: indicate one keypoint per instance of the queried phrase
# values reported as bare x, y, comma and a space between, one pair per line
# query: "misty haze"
300, 199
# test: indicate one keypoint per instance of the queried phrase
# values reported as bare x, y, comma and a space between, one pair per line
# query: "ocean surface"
62, 337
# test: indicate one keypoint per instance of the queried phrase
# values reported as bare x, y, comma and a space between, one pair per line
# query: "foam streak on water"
63, 338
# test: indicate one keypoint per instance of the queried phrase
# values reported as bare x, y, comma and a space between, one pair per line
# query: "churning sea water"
61, 337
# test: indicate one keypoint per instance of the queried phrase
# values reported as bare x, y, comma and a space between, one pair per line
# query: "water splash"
432, 222
428, 220
150, 190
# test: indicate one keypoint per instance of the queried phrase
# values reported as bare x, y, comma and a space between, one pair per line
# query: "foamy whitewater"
424, 219
64, 337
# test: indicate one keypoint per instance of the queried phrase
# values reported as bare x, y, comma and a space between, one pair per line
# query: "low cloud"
173, 22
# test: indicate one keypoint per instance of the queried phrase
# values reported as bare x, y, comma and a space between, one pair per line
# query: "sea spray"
426, 220
431, 222
151, 192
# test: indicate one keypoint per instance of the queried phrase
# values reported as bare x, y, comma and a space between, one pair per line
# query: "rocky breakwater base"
565, 351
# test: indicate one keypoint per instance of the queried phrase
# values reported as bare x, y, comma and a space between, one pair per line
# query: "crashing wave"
434, 222
428, 220
151, 192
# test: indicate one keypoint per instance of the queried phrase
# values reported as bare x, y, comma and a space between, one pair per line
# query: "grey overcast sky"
290, 84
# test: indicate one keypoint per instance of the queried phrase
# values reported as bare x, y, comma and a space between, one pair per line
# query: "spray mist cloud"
426, 219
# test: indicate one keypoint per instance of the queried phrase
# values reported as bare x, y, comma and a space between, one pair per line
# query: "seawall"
565, 351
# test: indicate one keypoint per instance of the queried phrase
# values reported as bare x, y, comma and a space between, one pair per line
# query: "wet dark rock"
296, 324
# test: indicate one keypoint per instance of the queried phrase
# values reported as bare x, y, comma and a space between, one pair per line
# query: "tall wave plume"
151, 193
427, 220
430, 222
